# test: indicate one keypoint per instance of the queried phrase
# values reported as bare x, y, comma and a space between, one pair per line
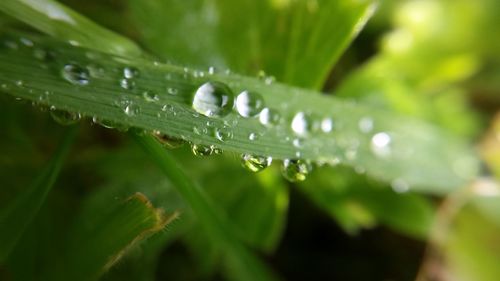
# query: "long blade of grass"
59, 21
385, 145
15, 217
241, 264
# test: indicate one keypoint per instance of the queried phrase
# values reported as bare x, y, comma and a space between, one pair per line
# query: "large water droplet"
255, 163
380, 144
202, 150
249, 104
213, 99
295, 170
75, 74
269, 117
65, 117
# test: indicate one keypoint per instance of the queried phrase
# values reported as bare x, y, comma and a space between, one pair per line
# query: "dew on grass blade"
64, 117
255, 163
249, 104
75, 74
269, 117
202, 150
213, 99
295, 170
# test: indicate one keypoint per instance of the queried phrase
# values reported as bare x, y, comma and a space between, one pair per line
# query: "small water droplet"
298, 143
380, 144
26, 42
253, 136
400, 185
150, 96
132, 109
302, 123
223, 134
365, 125
255, 163
295, 170
172, 91
110, 124
249, 104
75, 74
167, 141
65, 117
327, 125
211, 70
127, 84
130, 72
213, 99
202, 150
269, 117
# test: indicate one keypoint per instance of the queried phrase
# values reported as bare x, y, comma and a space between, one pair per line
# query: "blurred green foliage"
437, 61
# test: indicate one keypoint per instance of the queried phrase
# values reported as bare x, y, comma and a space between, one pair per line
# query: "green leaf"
91, 251
425, 157
240, 263
298, 42
57, 20
356, 202
17, 214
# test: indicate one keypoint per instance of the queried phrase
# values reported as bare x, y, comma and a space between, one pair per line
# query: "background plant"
392, 142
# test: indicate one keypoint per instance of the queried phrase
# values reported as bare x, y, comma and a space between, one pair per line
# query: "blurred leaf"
356, 202
472, 247
17, 214
55, 19
298, 42
240, 263
90, 250
406, 149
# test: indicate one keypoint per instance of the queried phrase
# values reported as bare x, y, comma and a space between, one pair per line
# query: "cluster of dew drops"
212, 99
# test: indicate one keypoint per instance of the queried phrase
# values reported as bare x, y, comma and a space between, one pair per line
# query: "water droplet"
127, 84
202, 150
255, 163
172, 91
65, 117
132, 109
211, 70
75, 74
298, 143
249, 104
301, 123
150, 96
167, 141
269, 117
223, 134
365, 125
295, 170
380, 144
26, 42
110, 124
253, 136
327, 125
213, 99
400, 186
130, 72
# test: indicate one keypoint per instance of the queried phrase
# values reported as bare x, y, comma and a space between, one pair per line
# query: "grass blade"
59, 21
15, 217
91, 252
241, 264
386, 145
